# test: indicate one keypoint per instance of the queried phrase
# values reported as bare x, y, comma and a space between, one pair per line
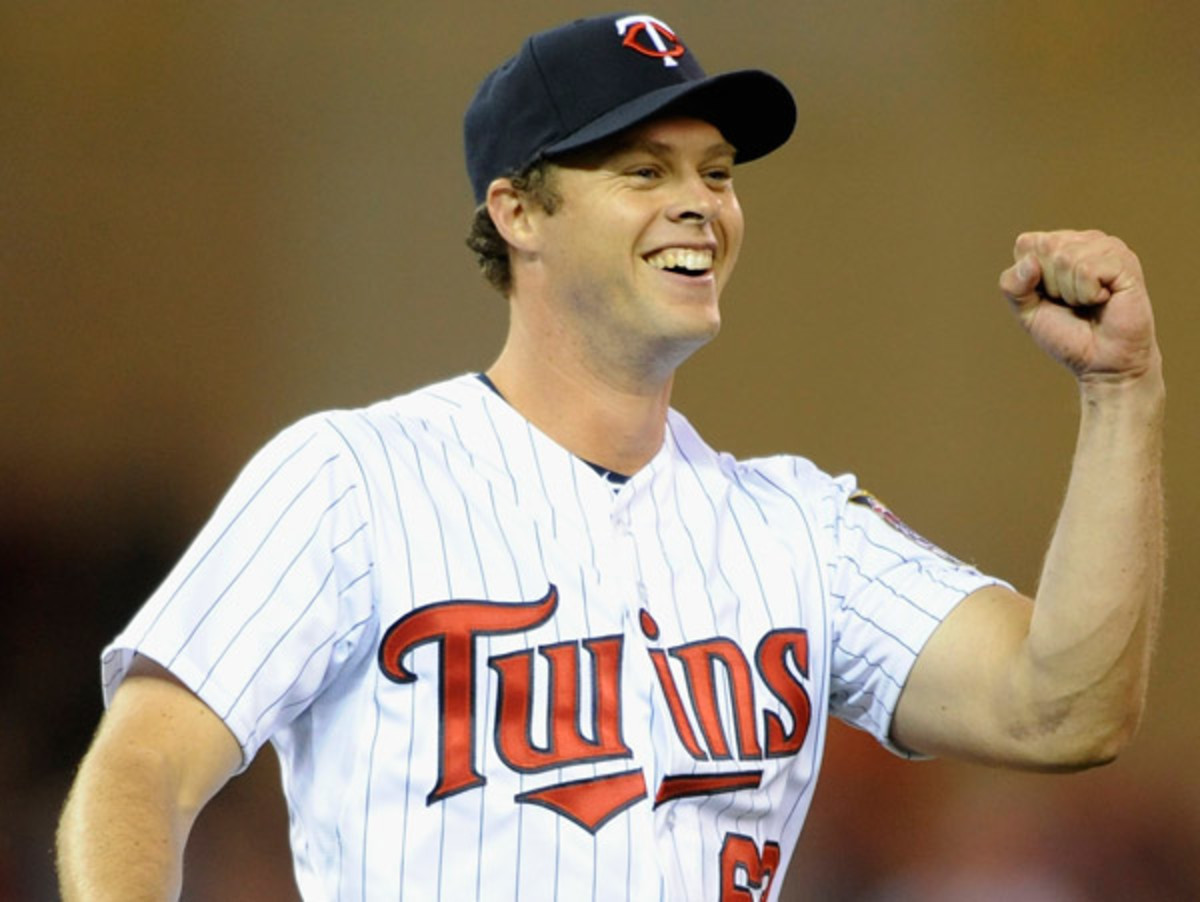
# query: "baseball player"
523, 634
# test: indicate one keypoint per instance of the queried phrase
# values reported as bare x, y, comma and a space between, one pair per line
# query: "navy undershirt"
617, 479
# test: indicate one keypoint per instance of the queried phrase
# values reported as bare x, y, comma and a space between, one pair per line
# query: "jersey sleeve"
274, 593
890, 589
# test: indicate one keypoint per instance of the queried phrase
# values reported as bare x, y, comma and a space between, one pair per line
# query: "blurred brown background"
217, 217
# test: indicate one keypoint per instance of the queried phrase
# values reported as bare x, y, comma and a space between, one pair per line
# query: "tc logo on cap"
663, 44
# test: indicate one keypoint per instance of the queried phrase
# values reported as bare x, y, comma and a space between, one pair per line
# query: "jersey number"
744, 868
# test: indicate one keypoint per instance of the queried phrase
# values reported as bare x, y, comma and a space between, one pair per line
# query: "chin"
686, 342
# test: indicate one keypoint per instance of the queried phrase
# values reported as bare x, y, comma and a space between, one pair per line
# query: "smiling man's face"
645, 237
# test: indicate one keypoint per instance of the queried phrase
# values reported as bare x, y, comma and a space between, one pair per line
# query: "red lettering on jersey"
649, 624
683, 728
688, 785
740, 854
699, 662
528, 745
454, 626
593, 802
566, 744
771, 657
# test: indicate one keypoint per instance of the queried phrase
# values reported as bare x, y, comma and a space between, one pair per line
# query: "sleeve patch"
881, 510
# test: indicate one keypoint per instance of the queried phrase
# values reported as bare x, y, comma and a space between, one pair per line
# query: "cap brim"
754, 111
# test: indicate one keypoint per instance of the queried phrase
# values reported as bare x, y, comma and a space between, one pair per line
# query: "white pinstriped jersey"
488, 675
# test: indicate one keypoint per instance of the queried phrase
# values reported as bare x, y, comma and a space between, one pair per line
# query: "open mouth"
684, 261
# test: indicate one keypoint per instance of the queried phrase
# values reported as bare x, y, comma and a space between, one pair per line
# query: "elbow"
1080, 723
1110, 740
1099, 752
1082, 743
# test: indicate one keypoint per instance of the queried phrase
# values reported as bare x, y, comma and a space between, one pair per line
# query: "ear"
510, 212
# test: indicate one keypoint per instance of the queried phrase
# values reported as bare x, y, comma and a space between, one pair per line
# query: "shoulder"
343, 448
361, 430
778, 474
788, 491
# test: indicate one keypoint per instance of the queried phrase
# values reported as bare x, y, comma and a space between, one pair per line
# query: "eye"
644, 171
719, 175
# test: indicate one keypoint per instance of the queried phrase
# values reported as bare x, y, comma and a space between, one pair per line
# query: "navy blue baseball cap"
589, 79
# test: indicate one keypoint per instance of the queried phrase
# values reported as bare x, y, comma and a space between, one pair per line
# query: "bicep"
157, 719
159, 755
960, 699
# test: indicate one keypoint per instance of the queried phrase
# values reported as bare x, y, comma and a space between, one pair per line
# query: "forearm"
1060, 683
1093, 625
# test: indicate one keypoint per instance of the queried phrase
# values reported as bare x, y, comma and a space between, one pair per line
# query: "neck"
602, 417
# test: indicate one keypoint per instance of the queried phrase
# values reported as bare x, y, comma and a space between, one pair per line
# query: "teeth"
682, 258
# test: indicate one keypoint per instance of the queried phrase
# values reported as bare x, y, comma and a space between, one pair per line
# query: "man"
524, 635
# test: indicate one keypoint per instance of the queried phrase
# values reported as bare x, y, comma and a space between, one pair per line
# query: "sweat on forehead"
590, 79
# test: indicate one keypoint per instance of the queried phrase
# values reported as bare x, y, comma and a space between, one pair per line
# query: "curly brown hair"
536, 182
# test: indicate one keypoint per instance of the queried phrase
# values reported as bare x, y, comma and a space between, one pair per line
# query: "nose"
695, 201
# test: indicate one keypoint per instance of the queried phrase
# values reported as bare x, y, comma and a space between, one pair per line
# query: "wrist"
1145, 386
1115, 410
